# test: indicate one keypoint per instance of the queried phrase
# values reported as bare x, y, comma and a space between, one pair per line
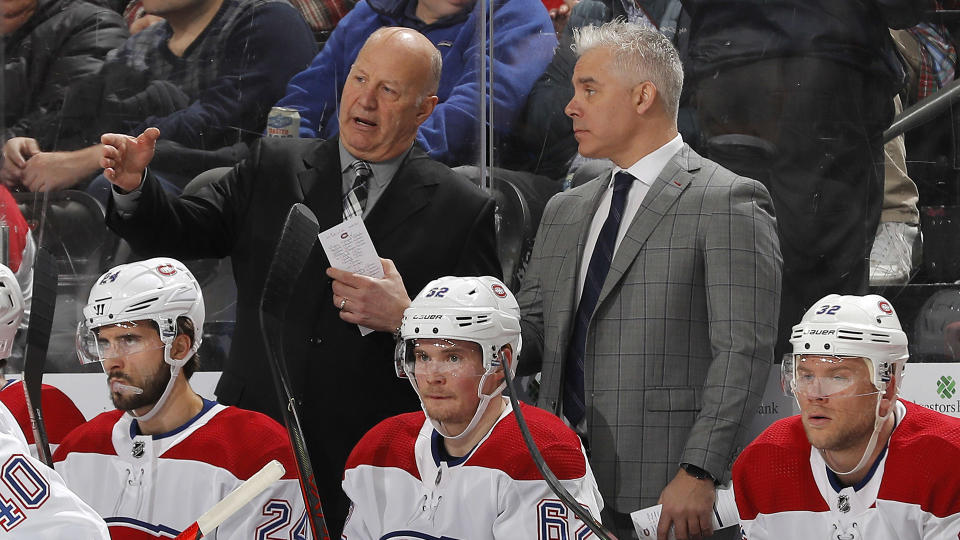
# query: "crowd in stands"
767, 120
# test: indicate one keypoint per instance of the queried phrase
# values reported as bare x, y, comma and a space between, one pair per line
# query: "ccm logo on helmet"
885, 307
821, 332
428, 317
499, 291
167, 269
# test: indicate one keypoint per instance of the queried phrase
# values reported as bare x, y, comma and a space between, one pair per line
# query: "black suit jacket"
430, 221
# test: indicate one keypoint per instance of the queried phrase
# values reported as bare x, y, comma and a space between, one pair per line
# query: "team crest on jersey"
137, 451
843, 503
167, 269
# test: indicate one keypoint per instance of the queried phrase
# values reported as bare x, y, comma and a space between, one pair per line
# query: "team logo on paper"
946, 386
167, 269
885, 307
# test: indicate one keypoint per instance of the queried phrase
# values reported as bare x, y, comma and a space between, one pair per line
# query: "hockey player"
460, 469
35, 503
857, 462
167, 455
60, 413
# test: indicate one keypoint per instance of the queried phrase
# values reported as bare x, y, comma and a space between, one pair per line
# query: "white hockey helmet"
11, 310
160, 290
841, 327
852, 326
476, 309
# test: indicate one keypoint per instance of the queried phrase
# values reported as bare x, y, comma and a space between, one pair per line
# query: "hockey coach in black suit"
424, 218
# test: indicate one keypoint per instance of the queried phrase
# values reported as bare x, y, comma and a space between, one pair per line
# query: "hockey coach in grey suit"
651, 300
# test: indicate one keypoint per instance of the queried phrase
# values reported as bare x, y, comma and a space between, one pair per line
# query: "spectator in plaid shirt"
206, 76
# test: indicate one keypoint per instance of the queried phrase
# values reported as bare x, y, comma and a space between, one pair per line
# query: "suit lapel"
405, 195
321, 185
569, 272
663, 194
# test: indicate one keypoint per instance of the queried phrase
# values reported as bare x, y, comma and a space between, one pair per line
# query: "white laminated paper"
348, 247
725, 514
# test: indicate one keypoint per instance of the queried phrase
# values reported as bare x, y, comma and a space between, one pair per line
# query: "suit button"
315, 341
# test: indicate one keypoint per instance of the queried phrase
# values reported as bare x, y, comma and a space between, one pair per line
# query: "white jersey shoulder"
35, 503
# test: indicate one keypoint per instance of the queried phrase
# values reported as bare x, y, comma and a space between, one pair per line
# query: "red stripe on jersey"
390, 444
922, 462
505, 449
243, 442
773, 473
92, 437
60, 415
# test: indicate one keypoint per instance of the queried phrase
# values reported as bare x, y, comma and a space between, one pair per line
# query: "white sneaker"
896, 249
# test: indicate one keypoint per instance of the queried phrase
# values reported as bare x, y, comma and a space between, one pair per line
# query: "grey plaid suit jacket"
681, 343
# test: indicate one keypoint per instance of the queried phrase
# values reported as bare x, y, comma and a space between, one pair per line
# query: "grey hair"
640, 53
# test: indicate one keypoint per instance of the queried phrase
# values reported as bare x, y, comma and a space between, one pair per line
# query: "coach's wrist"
697, 472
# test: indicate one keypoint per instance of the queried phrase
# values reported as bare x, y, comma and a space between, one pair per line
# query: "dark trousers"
825, 121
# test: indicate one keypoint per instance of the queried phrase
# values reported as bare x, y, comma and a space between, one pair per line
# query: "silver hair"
640, 53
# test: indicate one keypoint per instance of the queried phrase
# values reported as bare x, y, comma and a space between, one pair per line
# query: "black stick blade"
296, 241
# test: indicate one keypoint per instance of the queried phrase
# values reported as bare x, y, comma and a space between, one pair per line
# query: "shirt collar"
382, 170
651, 165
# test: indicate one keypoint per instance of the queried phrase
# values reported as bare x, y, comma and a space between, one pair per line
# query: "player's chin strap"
481, 408
871, 445
599, 530
175, 366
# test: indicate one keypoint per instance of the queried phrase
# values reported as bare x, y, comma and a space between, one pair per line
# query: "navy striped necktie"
574, 405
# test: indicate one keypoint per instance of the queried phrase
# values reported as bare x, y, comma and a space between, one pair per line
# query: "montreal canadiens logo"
499, 291
885, 307
167, 269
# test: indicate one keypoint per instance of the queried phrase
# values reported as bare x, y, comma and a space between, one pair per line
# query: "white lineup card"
348, 247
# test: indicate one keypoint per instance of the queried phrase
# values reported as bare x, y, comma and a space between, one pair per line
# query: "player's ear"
180, 347
889, 397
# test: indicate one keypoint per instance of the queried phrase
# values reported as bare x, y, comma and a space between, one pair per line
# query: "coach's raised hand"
125, 158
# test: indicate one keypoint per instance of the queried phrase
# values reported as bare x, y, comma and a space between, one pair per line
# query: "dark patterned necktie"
356, 199
574, 405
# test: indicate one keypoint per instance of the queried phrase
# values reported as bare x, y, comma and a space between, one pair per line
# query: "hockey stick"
237, 499
544, 469
38, 338
297, 239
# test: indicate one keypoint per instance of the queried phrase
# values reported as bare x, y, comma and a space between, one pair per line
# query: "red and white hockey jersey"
784, 491
35, 504
60, 414
400, 488
148, 487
